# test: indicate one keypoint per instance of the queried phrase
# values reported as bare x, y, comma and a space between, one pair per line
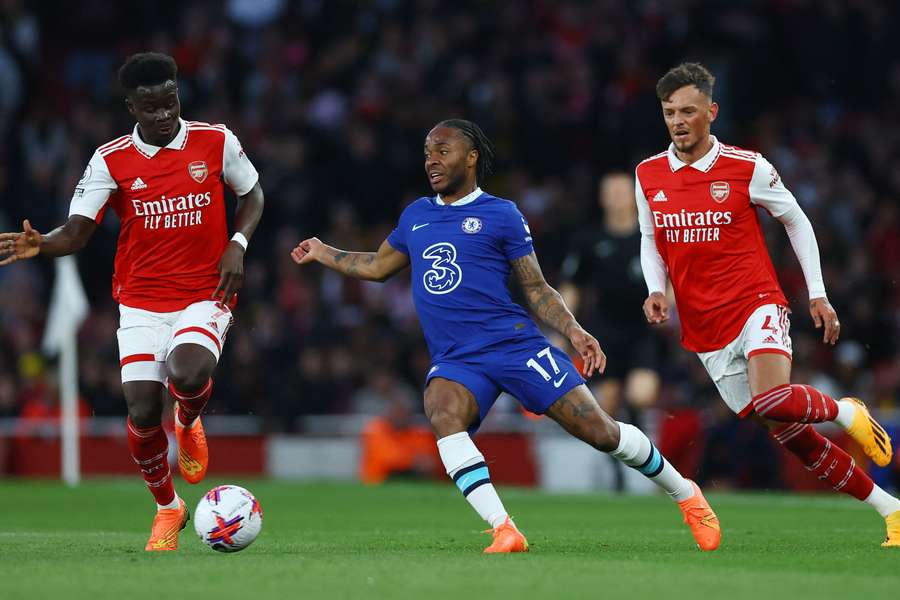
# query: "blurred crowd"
332, 101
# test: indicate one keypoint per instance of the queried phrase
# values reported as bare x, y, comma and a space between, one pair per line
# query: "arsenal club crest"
719, 191
198, 171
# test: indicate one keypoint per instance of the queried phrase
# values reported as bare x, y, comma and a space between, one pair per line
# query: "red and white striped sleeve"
93, 189
767, 190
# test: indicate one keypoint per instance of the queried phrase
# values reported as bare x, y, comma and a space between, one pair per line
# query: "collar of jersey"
467, 199
151, 150
703, 164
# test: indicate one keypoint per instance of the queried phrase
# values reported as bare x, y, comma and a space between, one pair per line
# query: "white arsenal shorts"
766, 330
146, 338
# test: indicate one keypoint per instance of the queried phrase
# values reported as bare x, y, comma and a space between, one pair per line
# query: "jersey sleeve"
237, 170
93, 189
516, 236
767, 189
397, 237
652, 264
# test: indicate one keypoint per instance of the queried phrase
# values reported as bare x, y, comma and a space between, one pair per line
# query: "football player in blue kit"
462, 245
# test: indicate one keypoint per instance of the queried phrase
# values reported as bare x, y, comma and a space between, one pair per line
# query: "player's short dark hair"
480, 142
146, 69
686, 74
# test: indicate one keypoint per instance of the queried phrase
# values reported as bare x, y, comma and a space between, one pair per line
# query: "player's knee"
187, 376
445, 416
446, 422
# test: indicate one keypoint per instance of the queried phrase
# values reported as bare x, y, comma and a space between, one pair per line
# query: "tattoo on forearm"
354, 263
543, 300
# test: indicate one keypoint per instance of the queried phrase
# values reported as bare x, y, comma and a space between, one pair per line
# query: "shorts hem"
753, 353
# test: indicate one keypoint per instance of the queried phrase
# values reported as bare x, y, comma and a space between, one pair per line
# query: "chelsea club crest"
471, 225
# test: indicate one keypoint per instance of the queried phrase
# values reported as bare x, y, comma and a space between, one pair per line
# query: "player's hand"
589, 349
308, 251
823, 313
231, 273
19, 246
656, 308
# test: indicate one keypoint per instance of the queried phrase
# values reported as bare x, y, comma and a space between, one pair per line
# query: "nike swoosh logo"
559, 382
414, 227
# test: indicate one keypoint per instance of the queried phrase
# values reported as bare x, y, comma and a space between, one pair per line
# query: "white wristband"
240, 239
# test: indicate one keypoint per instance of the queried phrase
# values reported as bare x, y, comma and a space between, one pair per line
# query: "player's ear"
713, 111
130, 106
472, 158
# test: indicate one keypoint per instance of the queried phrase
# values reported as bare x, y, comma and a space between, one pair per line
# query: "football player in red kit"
176, 271
698, 209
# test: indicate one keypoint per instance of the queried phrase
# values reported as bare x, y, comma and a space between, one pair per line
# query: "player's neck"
697, 152
459, 194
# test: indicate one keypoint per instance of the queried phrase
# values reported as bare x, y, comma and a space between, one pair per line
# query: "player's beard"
453, 184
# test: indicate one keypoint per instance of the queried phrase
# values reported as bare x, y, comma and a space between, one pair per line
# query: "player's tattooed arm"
373, 266
67, 239
543, 300
548, 305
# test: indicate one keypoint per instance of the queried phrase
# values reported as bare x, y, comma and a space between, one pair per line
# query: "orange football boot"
193, 454
703, 522
506, 539
870, 435
166, 525
893, 530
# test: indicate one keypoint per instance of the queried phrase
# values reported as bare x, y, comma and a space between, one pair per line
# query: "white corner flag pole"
68, 308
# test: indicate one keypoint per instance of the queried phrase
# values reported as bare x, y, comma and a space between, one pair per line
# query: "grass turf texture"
423, 541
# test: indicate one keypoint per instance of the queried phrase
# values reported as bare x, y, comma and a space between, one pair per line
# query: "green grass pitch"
423, 541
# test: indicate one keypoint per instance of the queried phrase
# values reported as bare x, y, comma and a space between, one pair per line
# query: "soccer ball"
228, 518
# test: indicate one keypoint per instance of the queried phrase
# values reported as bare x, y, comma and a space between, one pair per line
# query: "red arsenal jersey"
704, 219
170, 203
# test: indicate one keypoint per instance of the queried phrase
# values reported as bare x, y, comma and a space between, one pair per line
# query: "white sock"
845, 414
466, 466
636, 451
883, 502
171, 505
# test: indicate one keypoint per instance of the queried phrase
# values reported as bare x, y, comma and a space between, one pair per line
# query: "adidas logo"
138, 185
770, 340
660, 197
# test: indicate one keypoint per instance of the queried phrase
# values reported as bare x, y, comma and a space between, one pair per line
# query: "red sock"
150, 450
829, 462
191, 405
795, 404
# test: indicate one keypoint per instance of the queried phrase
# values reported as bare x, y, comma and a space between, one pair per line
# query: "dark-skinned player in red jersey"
176, 271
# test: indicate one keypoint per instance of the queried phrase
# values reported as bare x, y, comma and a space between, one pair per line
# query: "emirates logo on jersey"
198, 171
719, 191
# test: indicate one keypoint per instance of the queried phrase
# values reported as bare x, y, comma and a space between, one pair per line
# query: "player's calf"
795, 404
805, 404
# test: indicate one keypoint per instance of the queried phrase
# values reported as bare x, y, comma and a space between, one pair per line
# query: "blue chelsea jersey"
459, 255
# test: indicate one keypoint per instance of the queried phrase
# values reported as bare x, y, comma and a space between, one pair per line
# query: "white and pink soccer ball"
228, 518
